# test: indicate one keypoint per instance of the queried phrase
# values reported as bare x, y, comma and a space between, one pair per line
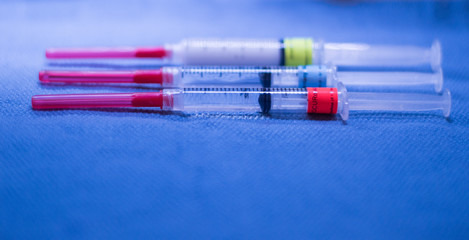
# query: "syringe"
302, 76
268, 52
266, 100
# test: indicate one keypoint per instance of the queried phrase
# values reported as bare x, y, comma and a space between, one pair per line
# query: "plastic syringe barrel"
196, 76
301, 100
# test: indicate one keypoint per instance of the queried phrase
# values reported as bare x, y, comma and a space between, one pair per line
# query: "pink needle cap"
125, 52
101, 100
138, 76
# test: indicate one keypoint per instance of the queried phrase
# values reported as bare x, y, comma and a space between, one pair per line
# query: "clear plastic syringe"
309, 100
302, 76
268, 52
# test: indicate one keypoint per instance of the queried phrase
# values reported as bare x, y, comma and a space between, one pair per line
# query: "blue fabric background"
142, 174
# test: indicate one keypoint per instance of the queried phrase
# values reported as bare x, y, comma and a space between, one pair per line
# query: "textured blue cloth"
142, 174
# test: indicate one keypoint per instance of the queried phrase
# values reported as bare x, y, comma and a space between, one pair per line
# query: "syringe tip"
48, 53
43, 76
36, 102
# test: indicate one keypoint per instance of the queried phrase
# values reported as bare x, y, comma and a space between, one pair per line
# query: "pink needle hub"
101, 100
138, 76
126, 52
